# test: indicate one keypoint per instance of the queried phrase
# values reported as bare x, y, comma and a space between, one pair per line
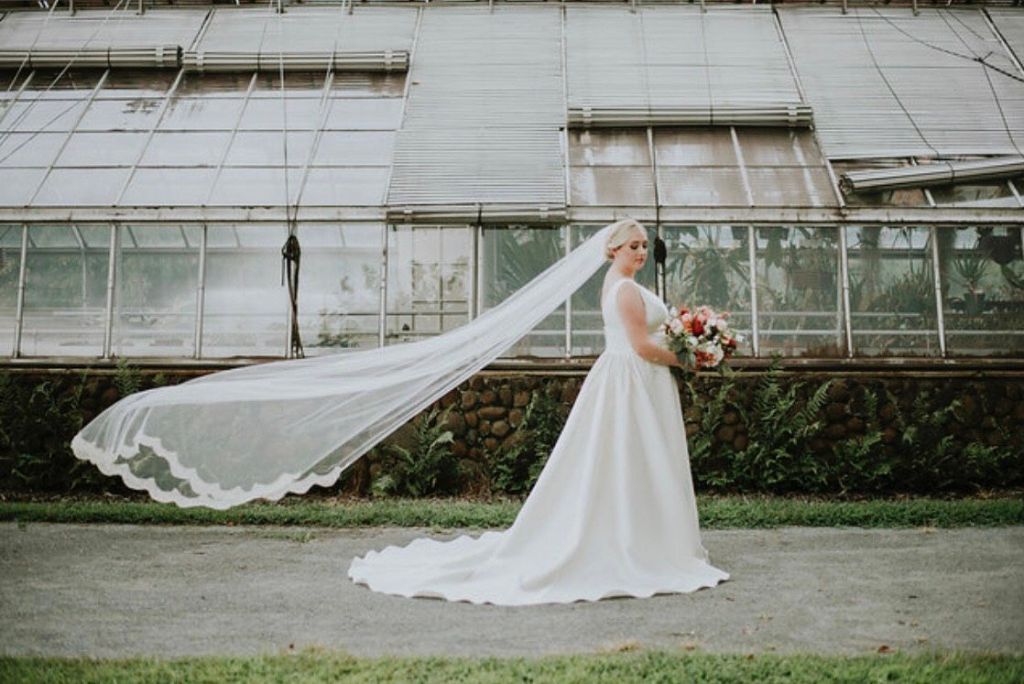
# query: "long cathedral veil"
267, 430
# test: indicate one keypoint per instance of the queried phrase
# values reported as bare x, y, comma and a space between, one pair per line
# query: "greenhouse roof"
516, 112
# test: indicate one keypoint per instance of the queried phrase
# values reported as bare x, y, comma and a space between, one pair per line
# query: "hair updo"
620, 234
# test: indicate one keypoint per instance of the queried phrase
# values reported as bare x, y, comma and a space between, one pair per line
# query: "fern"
428, 467
127, 378
516, 468
777, 456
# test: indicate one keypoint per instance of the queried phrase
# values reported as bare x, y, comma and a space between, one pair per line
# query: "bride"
613, 513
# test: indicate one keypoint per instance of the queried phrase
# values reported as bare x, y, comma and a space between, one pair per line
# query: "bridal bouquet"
701, 338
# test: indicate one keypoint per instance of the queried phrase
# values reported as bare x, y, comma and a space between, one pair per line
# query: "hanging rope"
291, 255
291, 252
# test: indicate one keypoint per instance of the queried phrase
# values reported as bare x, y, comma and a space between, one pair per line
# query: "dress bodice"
615, 335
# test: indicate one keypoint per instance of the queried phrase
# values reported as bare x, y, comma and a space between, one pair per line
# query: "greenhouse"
214, 182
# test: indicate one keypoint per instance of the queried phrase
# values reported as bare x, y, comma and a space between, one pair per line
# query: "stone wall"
488, 409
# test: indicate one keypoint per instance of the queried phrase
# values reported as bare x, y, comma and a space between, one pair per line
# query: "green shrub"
37, 422
515, 468
127, 378
426, 466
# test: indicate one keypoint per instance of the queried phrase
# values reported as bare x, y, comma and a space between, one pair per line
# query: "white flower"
717, 352
676, 326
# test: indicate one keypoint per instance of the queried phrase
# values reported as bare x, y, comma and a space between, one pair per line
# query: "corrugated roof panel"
1010, 23
943, 104
93, 28
470, 165
485, 105
668, 56
309, 30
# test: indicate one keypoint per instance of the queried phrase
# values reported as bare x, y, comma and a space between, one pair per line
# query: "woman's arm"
631, 308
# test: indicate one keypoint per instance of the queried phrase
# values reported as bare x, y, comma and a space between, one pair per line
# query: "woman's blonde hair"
620, 234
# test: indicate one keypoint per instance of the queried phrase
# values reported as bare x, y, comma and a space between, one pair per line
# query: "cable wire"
988, 77
979, 60
10, 130
31, 47
892, 91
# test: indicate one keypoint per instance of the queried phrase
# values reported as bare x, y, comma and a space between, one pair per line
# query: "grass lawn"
716, 512
649, 666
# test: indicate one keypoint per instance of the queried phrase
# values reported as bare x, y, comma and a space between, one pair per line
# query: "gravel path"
123, 590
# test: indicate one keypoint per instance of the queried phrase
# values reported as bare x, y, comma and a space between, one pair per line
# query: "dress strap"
618, 282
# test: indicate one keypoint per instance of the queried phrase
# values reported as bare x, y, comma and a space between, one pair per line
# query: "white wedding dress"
613, 513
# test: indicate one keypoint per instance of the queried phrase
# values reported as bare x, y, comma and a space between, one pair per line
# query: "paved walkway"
121, 590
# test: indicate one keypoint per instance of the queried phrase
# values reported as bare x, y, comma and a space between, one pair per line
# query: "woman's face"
632, 254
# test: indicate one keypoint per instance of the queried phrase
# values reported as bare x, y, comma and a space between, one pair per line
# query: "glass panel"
17, 185
297, 84
983, 290
132, 83
255, 186
10, 263
168, 187
694, 147
777, 147
902, 197
192, 148
700, 187
155, 304
43, 115
609, 147
30, 149
267, 149
790, 187
95, 236
612, 185
246, 306
994, 194
587, 323
191, 113
10, 236
347, 114
52, 236
339, 299
267, 115
365, 84
428, 280
892, 292
361, 186
215, 85
102, 149
72, 84
121, 115
798, 294
355, 148
710, 265
512, 256
81, 187
65, 294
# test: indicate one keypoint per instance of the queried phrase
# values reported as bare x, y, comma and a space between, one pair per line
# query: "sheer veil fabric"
613, 512
267, 430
